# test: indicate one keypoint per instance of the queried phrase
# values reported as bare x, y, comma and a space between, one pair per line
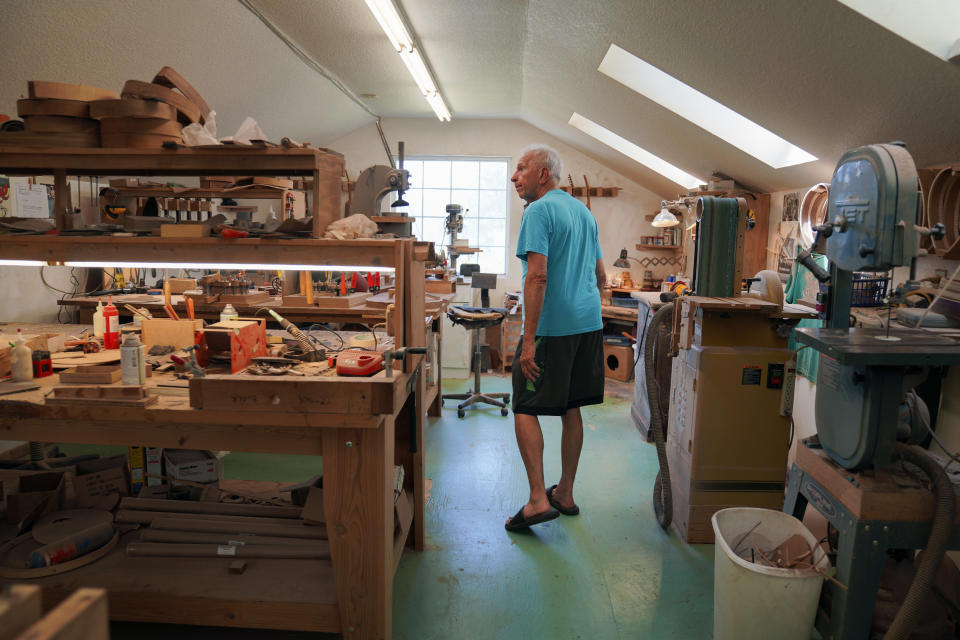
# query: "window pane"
492, 232
436, 174
433, 230
466, 174
491, 259
418, 228
413, 196
435, 202
415, 169
493, 204
467, 200
469, 231
493, 175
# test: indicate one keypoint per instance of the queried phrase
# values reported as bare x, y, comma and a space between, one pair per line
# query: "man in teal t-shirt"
558, 366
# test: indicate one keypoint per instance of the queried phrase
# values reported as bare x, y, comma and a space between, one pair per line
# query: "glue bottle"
133, 364
21, 359
98, 319
229, 313
111, 326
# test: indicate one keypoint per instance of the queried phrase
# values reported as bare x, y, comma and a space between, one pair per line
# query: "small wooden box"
618, 362
184, 230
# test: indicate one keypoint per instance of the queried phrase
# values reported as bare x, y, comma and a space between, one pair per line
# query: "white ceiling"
813, 72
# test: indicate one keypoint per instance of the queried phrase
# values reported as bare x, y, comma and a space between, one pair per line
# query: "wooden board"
165, 331
189, 112
247, 298
91, 374
6, 388
168, 77
327, 301
52, 107
82, 616
20, 606
185, 230
66, 360
153, 126
132, 108
63, 91
59, 124
136, 140
53, 140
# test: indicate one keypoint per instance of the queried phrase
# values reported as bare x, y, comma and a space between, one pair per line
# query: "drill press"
850, 471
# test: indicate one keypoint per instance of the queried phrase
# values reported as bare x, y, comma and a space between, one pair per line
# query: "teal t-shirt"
560, 227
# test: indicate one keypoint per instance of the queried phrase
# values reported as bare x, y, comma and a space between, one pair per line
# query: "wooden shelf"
659, 247
169, 192
392, 219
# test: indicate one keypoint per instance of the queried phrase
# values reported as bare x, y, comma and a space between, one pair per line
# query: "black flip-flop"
571, 511
518, 522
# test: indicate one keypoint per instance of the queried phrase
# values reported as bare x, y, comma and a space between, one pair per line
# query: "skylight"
631, 150
701, 110
933, 25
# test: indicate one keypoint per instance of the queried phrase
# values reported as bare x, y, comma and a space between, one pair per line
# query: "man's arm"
534, 291
601, 277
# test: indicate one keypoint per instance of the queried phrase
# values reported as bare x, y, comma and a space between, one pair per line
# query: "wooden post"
327, 192
358, 502
61, 198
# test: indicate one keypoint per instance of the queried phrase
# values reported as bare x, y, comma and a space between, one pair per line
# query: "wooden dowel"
197, 537
161, 550
137, 516
259, 528
222, 508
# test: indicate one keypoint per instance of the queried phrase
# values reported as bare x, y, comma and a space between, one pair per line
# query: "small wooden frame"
91, 374
125, 396
20, 606
82, 616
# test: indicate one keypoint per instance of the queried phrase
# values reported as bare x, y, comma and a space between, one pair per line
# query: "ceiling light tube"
439, 107
634, 152
418, 70
386, 14
22, 263
701, 110
221, 265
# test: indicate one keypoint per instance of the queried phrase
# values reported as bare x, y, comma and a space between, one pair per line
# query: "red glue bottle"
111, 326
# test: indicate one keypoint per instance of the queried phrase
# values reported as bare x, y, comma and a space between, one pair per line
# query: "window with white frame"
480, 186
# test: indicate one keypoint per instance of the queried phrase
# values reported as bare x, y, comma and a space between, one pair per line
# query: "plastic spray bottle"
98, 320
111, 326
21, 359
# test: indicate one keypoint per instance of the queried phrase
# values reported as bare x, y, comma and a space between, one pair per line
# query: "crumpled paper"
196, 134
355, 226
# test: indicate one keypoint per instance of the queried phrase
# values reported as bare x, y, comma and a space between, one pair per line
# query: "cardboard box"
98, 478
618, 362
34, 488
153, 460
179, 285
194, 466
136, 461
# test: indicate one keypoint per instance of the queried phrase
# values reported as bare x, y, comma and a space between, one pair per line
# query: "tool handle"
170, 312
190, 313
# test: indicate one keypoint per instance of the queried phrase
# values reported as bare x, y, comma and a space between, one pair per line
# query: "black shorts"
571, 375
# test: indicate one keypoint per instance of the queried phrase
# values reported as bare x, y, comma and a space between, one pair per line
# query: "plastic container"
755, 601
21, 359
111, 326
133, 364
98, 320
229, 313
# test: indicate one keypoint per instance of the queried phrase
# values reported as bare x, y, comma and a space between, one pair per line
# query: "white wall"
621, 220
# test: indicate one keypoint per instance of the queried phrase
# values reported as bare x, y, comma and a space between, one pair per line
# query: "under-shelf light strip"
197, 265
392, 24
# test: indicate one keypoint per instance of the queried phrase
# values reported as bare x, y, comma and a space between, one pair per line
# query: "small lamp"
665, 218
621, 262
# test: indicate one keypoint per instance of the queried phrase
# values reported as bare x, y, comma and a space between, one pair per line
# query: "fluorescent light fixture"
701, 110
418, 70
932, 25
631, 150
386, 14
439, 108
194, 265
393, 25
22, 263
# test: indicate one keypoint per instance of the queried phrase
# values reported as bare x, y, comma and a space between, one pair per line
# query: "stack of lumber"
147, 114
177, 528
58, 114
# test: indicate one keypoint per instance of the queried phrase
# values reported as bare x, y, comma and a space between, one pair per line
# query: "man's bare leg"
530, 442
571, 442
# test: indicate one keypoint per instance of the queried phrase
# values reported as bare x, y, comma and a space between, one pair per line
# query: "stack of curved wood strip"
943, 206
813, 211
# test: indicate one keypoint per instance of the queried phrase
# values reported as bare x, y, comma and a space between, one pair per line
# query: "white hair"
547, 157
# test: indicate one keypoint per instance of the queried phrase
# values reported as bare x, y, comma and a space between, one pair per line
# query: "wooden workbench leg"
358, 501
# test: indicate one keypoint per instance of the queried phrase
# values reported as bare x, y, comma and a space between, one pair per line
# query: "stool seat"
475, 319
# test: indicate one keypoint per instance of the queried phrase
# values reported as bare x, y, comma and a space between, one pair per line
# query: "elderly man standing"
558, 367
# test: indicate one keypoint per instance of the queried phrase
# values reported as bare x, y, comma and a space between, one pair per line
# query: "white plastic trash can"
756, 601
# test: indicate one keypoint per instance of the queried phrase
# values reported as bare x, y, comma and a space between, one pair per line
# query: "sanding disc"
60, 524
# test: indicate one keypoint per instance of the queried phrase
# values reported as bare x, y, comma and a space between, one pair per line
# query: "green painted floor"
609, 573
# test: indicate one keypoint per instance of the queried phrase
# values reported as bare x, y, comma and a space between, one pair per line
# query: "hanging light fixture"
665, 218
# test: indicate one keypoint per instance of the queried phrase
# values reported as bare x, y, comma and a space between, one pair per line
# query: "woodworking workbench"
361, 427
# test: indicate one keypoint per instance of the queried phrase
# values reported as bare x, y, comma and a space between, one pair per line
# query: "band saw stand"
848, 472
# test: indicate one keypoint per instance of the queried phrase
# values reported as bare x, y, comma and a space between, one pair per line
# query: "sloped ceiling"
814, 72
